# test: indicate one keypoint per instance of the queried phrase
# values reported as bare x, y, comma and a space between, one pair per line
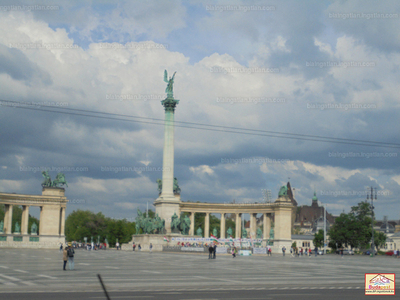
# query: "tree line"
353, 229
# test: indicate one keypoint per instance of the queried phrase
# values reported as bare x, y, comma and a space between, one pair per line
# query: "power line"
218, 128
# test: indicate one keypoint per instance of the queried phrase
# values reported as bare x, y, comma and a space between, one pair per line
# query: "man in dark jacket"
70, 254
215, 250
210, 251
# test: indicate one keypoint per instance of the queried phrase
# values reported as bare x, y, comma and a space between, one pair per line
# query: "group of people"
68, 255
139, 247
295, 251
212, 249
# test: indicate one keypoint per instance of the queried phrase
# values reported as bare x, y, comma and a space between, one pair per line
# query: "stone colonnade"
51, 229
238, 229
281, 209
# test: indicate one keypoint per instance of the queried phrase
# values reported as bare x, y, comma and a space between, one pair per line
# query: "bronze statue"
170, 86
47, 180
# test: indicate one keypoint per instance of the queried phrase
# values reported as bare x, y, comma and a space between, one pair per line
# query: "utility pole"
325, 230
372, 225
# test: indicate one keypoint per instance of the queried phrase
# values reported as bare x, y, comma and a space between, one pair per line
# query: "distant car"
390, 253
368, 252
345, 252
320, 252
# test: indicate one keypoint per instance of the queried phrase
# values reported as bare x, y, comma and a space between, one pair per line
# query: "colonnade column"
25, 219
238, 231
62, 231
191, 230
253, 225
8, 218
207, 226
266, 226
222, 227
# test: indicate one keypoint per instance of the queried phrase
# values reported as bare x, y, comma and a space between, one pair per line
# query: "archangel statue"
170, 86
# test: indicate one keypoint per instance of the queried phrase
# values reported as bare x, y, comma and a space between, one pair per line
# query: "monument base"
26, 241
157, 240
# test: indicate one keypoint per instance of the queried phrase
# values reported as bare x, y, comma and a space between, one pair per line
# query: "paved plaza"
38, 274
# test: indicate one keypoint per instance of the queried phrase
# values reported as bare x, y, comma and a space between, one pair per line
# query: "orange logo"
379, 284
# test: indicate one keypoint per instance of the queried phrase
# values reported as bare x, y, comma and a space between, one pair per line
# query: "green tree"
353, 229
379, 239
319, 238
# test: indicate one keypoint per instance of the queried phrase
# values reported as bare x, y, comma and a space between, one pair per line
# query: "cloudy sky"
321, 68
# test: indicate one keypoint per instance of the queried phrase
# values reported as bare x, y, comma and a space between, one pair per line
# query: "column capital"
169, 104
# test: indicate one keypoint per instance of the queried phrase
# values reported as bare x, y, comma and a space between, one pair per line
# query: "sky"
321, 68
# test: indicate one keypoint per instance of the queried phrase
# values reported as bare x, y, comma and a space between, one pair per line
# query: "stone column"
207, 226
191, 230
222, 226
167, 203
25, 219
266, 226
168, 155
238, 231
62, 230
8, 218
253, 225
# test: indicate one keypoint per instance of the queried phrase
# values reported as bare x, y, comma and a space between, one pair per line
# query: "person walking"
291, 251
70, 253
233, 252
283, 250
316, 251
133, 246
151, 247
309, 252
65, 258
297, 252
139, 247
61, 247
210, 251
214, 250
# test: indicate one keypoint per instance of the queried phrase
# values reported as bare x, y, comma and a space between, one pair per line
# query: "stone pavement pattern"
27, 270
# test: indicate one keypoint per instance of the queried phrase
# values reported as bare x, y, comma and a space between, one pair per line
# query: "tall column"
253, 225
167, 204
207, 226
8, 218
222, 226
266, 226
191, 230
25, 219
62, 231
168, 156
238, 231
